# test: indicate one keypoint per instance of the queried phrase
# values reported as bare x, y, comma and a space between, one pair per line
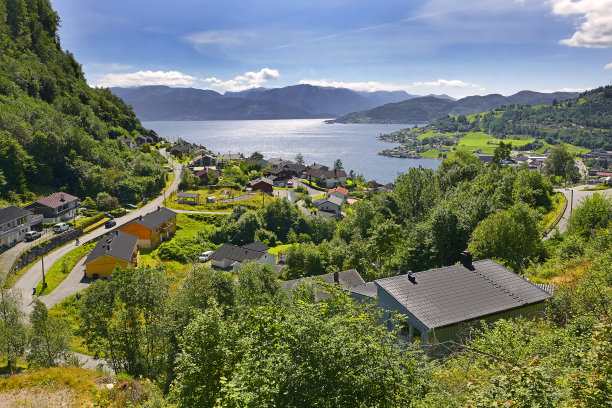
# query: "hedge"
86, 222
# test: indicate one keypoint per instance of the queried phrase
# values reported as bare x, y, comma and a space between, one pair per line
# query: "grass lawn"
434, 154
570, 148
550, 216
220, 193
58, 272
431, 133
280, 248
478, 140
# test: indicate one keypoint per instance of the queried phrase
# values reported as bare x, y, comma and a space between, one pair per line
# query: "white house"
14, 223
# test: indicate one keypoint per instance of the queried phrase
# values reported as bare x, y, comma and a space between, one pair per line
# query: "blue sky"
455, 47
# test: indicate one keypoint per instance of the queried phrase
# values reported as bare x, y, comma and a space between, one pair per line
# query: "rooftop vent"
336, 278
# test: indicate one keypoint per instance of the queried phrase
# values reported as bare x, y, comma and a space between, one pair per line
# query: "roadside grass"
60, 269
550, 216
319, 196
596, 188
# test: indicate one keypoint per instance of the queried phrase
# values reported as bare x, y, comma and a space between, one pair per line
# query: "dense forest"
55, 131
583, 121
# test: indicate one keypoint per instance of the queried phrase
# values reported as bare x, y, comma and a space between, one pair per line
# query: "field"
486, 143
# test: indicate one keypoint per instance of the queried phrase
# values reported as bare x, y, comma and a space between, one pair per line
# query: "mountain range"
426, 109
291, 102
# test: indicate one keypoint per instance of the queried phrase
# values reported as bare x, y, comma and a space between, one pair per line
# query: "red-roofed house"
339, 192
55, 207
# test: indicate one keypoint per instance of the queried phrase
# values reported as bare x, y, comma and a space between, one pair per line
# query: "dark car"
110, 223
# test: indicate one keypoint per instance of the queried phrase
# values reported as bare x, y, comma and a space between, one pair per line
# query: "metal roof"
11, 213
155, 218
117, 244
236, 253
445, 296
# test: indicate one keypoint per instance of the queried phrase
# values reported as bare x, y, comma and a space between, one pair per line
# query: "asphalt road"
7, 259
31, 277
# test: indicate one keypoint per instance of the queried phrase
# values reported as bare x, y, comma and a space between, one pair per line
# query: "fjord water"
355, 144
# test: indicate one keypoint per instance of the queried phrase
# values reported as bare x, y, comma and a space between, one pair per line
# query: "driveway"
311, 191
33, 275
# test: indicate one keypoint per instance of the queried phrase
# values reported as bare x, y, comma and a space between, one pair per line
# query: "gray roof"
117, 244
155, 218
187, 195
236, 253
325, 214
445, 296
332, 199
257, 246
11, 213
346, 280
367, 289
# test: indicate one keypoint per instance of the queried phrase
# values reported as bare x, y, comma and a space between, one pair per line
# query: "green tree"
13, 329
338, 165
49, 340
502, 152
299, 158
511, 236
593, 213
560, 162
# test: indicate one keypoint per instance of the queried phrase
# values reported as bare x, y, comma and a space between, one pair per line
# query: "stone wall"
43, 248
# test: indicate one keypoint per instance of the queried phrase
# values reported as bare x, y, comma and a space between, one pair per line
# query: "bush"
182, 250
89, 203
86, 222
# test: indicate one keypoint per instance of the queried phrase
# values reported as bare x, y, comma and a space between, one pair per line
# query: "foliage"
593, 213
511, 236
13, 332
561, 163
49, 339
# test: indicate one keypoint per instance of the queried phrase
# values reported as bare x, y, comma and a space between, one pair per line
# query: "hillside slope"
419, 110
55, 131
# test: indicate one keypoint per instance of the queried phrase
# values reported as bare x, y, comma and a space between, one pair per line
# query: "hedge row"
86, 222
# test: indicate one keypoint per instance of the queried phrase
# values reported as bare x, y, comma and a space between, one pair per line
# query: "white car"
205, 256
60, 227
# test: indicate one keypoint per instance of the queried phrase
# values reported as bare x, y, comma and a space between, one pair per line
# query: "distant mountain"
292, 102
426, 109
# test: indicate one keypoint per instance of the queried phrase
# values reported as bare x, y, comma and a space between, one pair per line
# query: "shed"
188, 198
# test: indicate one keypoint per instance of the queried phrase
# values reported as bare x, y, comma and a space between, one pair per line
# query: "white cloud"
453, 83
169, 78
113, 66
563, 90
223, 38
608, 66
370, 86
242, 82
595, 29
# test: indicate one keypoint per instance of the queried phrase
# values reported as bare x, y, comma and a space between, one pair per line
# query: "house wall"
221, 264
392, 307
104, 266
328, 206
335, 181
14, 231
268, 259
140, 231
339, 195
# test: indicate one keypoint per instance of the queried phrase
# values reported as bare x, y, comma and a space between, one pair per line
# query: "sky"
458, 48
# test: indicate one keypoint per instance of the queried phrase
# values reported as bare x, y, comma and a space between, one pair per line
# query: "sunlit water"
355, 144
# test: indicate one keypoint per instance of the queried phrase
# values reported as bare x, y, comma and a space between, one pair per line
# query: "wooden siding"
104, 266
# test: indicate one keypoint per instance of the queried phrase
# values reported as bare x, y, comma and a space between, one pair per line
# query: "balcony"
13, 230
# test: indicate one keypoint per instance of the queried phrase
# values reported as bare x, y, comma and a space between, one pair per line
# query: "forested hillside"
55, 131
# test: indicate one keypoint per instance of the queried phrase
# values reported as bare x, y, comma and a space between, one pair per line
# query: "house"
141, 139
180, 149
152, 228
332, 204
344, 279
115, 249
329, 178
227, 255
204, 160
152, 135
129, 143
316, 166
203, 174
262, 184
339, 192
230, 156
55, 207
261, 162
440, 304
14, 223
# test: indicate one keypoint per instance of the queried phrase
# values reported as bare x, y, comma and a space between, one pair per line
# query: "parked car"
60, 227
205, 256
32, 235
290, 184
110, 223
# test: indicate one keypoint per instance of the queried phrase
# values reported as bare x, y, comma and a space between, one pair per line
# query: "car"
205, 256
32, 235
290, 184
60, 227
110, 223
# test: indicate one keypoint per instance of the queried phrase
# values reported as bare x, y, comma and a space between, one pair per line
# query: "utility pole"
572, 202
42, 260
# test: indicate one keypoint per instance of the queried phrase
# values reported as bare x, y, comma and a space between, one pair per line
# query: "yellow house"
152, 228
116, 248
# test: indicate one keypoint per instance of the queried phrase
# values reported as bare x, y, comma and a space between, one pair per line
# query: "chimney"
336, 278
62, 199
411, 277
466, 259
140, 217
